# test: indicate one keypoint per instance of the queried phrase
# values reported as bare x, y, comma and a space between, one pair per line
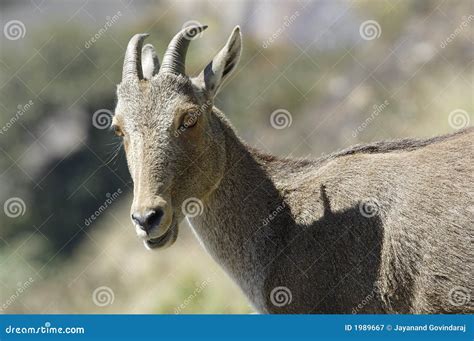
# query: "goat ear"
150, 61
219, 69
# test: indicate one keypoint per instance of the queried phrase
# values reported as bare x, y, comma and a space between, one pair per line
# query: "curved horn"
175, 55
150, 61
132, 64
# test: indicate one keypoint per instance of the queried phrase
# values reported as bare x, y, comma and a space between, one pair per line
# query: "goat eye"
189, 120
117, 130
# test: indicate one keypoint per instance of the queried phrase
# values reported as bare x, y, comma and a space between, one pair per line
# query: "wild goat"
379, 228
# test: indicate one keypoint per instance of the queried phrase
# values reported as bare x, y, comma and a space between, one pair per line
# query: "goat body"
381, 228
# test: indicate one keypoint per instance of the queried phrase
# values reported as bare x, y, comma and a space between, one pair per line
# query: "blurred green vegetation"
319, 69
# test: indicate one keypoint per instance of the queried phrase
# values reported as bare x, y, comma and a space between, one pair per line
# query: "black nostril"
138, 219
154, 217
149, 219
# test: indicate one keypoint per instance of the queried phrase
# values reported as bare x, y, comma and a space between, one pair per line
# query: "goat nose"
149, 219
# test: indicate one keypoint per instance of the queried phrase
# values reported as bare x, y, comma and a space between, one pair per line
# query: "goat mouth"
167, 239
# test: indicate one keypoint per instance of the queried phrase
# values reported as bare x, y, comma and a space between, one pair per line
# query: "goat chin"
164, 241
